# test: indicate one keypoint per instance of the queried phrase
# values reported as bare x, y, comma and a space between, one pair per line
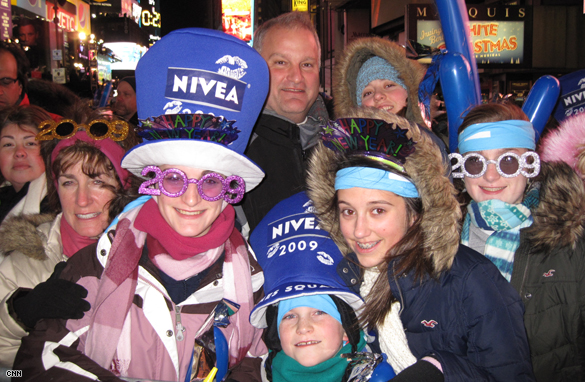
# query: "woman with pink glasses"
172, 284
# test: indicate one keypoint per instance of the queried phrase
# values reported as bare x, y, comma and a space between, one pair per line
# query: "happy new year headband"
203, 127
373, 138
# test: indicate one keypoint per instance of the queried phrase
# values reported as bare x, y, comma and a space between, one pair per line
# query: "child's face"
310, 336
386, 95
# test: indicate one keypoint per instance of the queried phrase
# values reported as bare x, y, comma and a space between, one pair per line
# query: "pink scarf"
179, 247
118, 284
71, 240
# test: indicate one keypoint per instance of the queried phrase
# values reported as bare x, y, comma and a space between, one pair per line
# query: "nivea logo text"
205, 88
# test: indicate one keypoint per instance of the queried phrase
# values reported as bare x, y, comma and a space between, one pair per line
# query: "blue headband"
317, 301
497, 135
375, 179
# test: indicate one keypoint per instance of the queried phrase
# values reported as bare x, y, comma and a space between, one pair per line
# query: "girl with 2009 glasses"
527, 218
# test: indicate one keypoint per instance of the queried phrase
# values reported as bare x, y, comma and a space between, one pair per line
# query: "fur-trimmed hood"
352, 59
560, 215
20, 233
442, 214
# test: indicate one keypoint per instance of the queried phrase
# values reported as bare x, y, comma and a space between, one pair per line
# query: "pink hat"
565, 143
111, 149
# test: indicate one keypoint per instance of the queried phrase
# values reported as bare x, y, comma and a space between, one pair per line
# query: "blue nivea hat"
298, 258
199, 93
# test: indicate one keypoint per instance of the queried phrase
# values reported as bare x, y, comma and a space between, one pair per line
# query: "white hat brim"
203, 155
258, 314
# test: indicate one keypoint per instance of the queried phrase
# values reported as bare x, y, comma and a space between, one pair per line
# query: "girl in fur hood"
442, 311
384, 62
527, 217
375, 73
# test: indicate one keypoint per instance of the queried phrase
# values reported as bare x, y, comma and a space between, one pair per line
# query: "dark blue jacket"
470, 319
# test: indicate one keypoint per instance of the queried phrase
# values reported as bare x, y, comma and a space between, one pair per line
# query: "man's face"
28, 35
125, 105
293, 60
9, 93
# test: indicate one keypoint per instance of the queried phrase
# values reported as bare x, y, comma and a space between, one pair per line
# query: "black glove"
421, 371
54, 298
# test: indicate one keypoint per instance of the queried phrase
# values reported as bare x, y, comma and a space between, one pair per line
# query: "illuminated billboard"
128, 52
500, 35
237, 18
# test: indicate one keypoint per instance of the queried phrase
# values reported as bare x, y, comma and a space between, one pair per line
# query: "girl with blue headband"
526, 216
441, 310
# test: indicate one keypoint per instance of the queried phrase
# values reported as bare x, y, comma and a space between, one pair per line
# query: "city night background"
96, 41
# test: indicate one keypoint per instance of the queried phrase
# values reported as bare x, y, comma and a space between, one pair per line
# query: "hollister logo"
549, 273
205, 88
429, 324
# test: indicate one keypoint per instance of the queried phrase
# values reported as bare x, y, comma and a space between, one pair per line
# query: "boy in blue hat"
312, 330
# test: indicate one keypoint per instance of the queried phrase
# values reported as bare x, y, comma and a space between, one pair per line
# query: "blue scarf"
505, 220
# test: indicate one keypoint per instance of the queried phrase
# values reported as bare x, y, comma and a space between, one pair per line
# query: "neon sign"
237, 18
67, 21
150, 18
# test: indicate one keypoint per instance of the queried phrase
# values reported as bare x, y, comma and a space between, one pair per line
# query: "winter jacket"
32, 245
470, 319
31, 202
463, 312
549, 274
276, 147
150, 346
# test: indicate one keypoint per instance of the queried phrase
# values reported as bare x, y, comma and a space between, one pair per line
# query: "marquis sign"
500, 35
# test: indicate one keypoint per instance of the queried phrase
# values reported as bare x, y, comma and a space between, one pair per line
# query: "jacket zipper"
179, 328
524, 277
399, 291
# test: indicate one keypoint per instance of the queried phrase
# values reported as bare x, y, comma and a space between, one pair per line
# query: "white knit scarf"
391, 334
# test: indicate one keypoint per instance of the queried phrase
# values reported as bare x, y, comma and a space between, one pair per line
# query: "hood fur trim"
442, 214
560, 215
19, 233
352, 59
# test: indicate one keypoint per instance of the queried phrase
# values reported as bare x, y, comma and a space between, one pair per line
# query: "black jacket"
276, 148
549, 274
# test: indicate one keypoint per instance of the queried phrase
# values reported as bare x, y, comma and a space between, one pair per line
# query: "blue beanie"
375, 68
318, 301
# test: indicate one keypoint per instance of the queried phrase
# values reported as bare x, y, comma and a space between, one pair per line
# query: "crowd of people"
225, 219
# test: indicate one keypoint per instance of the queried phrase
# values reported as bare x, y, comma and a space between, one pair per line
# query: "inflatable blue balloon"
455, 26
458, 91
541, 101
458, 70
